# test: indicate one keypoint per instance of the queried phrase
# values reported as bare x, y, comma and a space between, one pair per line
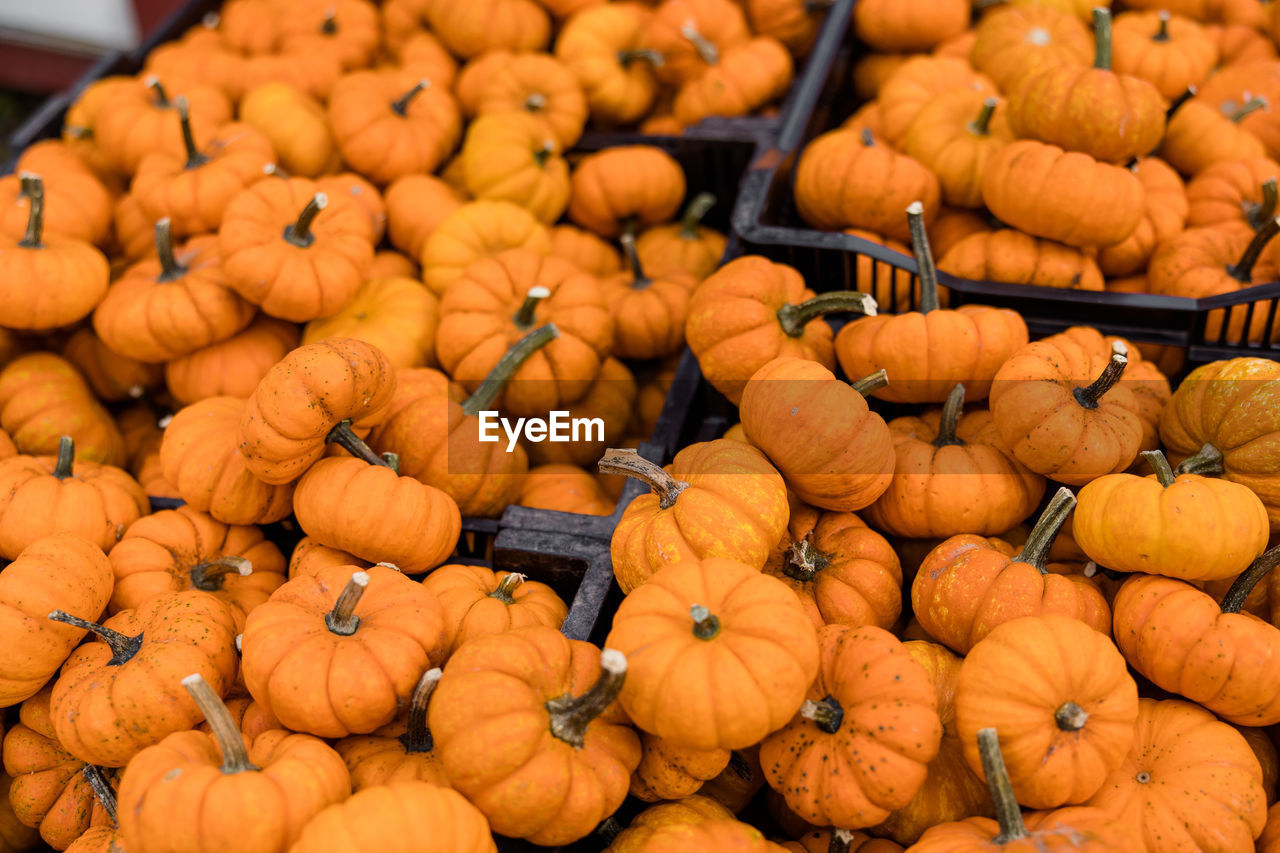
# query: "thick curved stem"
706, 625
707, 51
826, 714
102, 790
1263, 212
1207, 462
401, 105
235, 758
924, 258
1070, 717
871, 383
528, 310
122, 648
631, 464
793, 318
1008, 812
342, 619
1183, 97
209, 576
343, 436
1160, 465
1089, 396
1242, 270
64, 464
507, 366
1035, 551
639, 281
950, 418
33, 189
170, 269
1248, 108
981, 126
194, 158
1102, 38
1162, 33
693, 214
506, 587
1248, 579
299, 233
417, 737
571, 716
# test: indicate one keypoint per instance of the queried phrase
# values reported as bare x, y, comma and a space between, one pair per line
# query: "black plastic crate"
767, 223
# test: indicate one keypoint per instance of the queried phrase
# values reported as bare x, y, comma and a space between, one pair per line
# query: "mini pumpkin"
918, 81
431, 818
297, 126
395, 314
955, 136
541, 86
668, 772
1164, 215
605, 46
518, 25
687, 245
400, 751
132, 121
1198, 135
1233, 191
514, 157
625, 187
1019, 38
478, 601
1009, 255
1169, 51
234, 367
416, 205
742, 79
474, 231
43, 397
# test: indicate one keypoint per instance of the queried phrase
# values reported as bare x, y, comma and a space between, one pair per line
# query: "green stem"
528, 310
63, 466
506, 587
1207, 462
981, 126
1234, 600
208, 576
639, 281
507, 366
170, 269
693, 215
401, 105
706, 625
570, 716
868, 138
342, 619
417, 737
235, 758
950, 419
122, 648
631, 464
924, 258
794, 318
1160, 465
1248, 108
826, 714
299, 233
1089, 396
102, 790
1008, 812
1102, 37
1035, 551
194, 158
870, 384
33, 188
342, 436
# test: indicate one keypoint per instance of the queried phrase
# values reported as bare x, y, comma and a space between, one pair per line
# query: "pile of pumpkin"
1139, 157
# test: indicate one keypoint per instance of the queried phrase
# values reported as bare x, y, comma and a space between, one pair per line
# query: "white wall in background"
88, 26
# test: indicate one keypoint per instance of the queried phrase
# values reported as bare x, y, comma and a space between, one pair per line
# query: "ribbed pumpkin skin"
1075, 829
473, 606
735, 507
668, 772
1178, 637
1019, 677
890, 725
420, 816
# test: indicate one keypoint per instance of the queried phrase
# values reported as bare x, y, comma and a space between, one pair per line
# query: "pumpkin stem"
536, 102
33, 188
1008, 812
153, 83
707, 50
1162, 34
1207, 462
1261, 213
794, 318
706, 625
981, 126
235, 758
1186, 95
97, 782
512, 359
329, 26
571, 716
544, 152
1248, 579
122, 648
506, 586
609, 829
1160, 465
868, 138
871, 383
209, 575
527, 313
639, 281
1070, 717
924, 258
950, 419
299, 232
1248, 108
1035, 551
342, 619
841, 841
804, 560
63, 465
693, 214
626, 57
194, 158
342, 436
827, 714
170, 269
740, 766
417, 737
275, 170
1088, 397
1102, 37
1242, 270
629, 463
401, 105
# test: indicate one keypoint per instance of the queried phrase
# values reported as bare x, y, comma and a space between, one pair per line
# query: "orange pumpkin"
1019, 38
1198, 136
478, 601
624, 188
605, 46
234, 367
113, 377
691, 36
346, 28
133, 121
1171, 52
564, 488
514, 157
77, 204
416, 205
400, 751
1009, 255
542, 87
43, 397
917, 82
588, 252
1165, 209
518, 25
397, 315
668, 772
741, 80
687, 245
297, 126
474, 231
431, 818
956, 136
